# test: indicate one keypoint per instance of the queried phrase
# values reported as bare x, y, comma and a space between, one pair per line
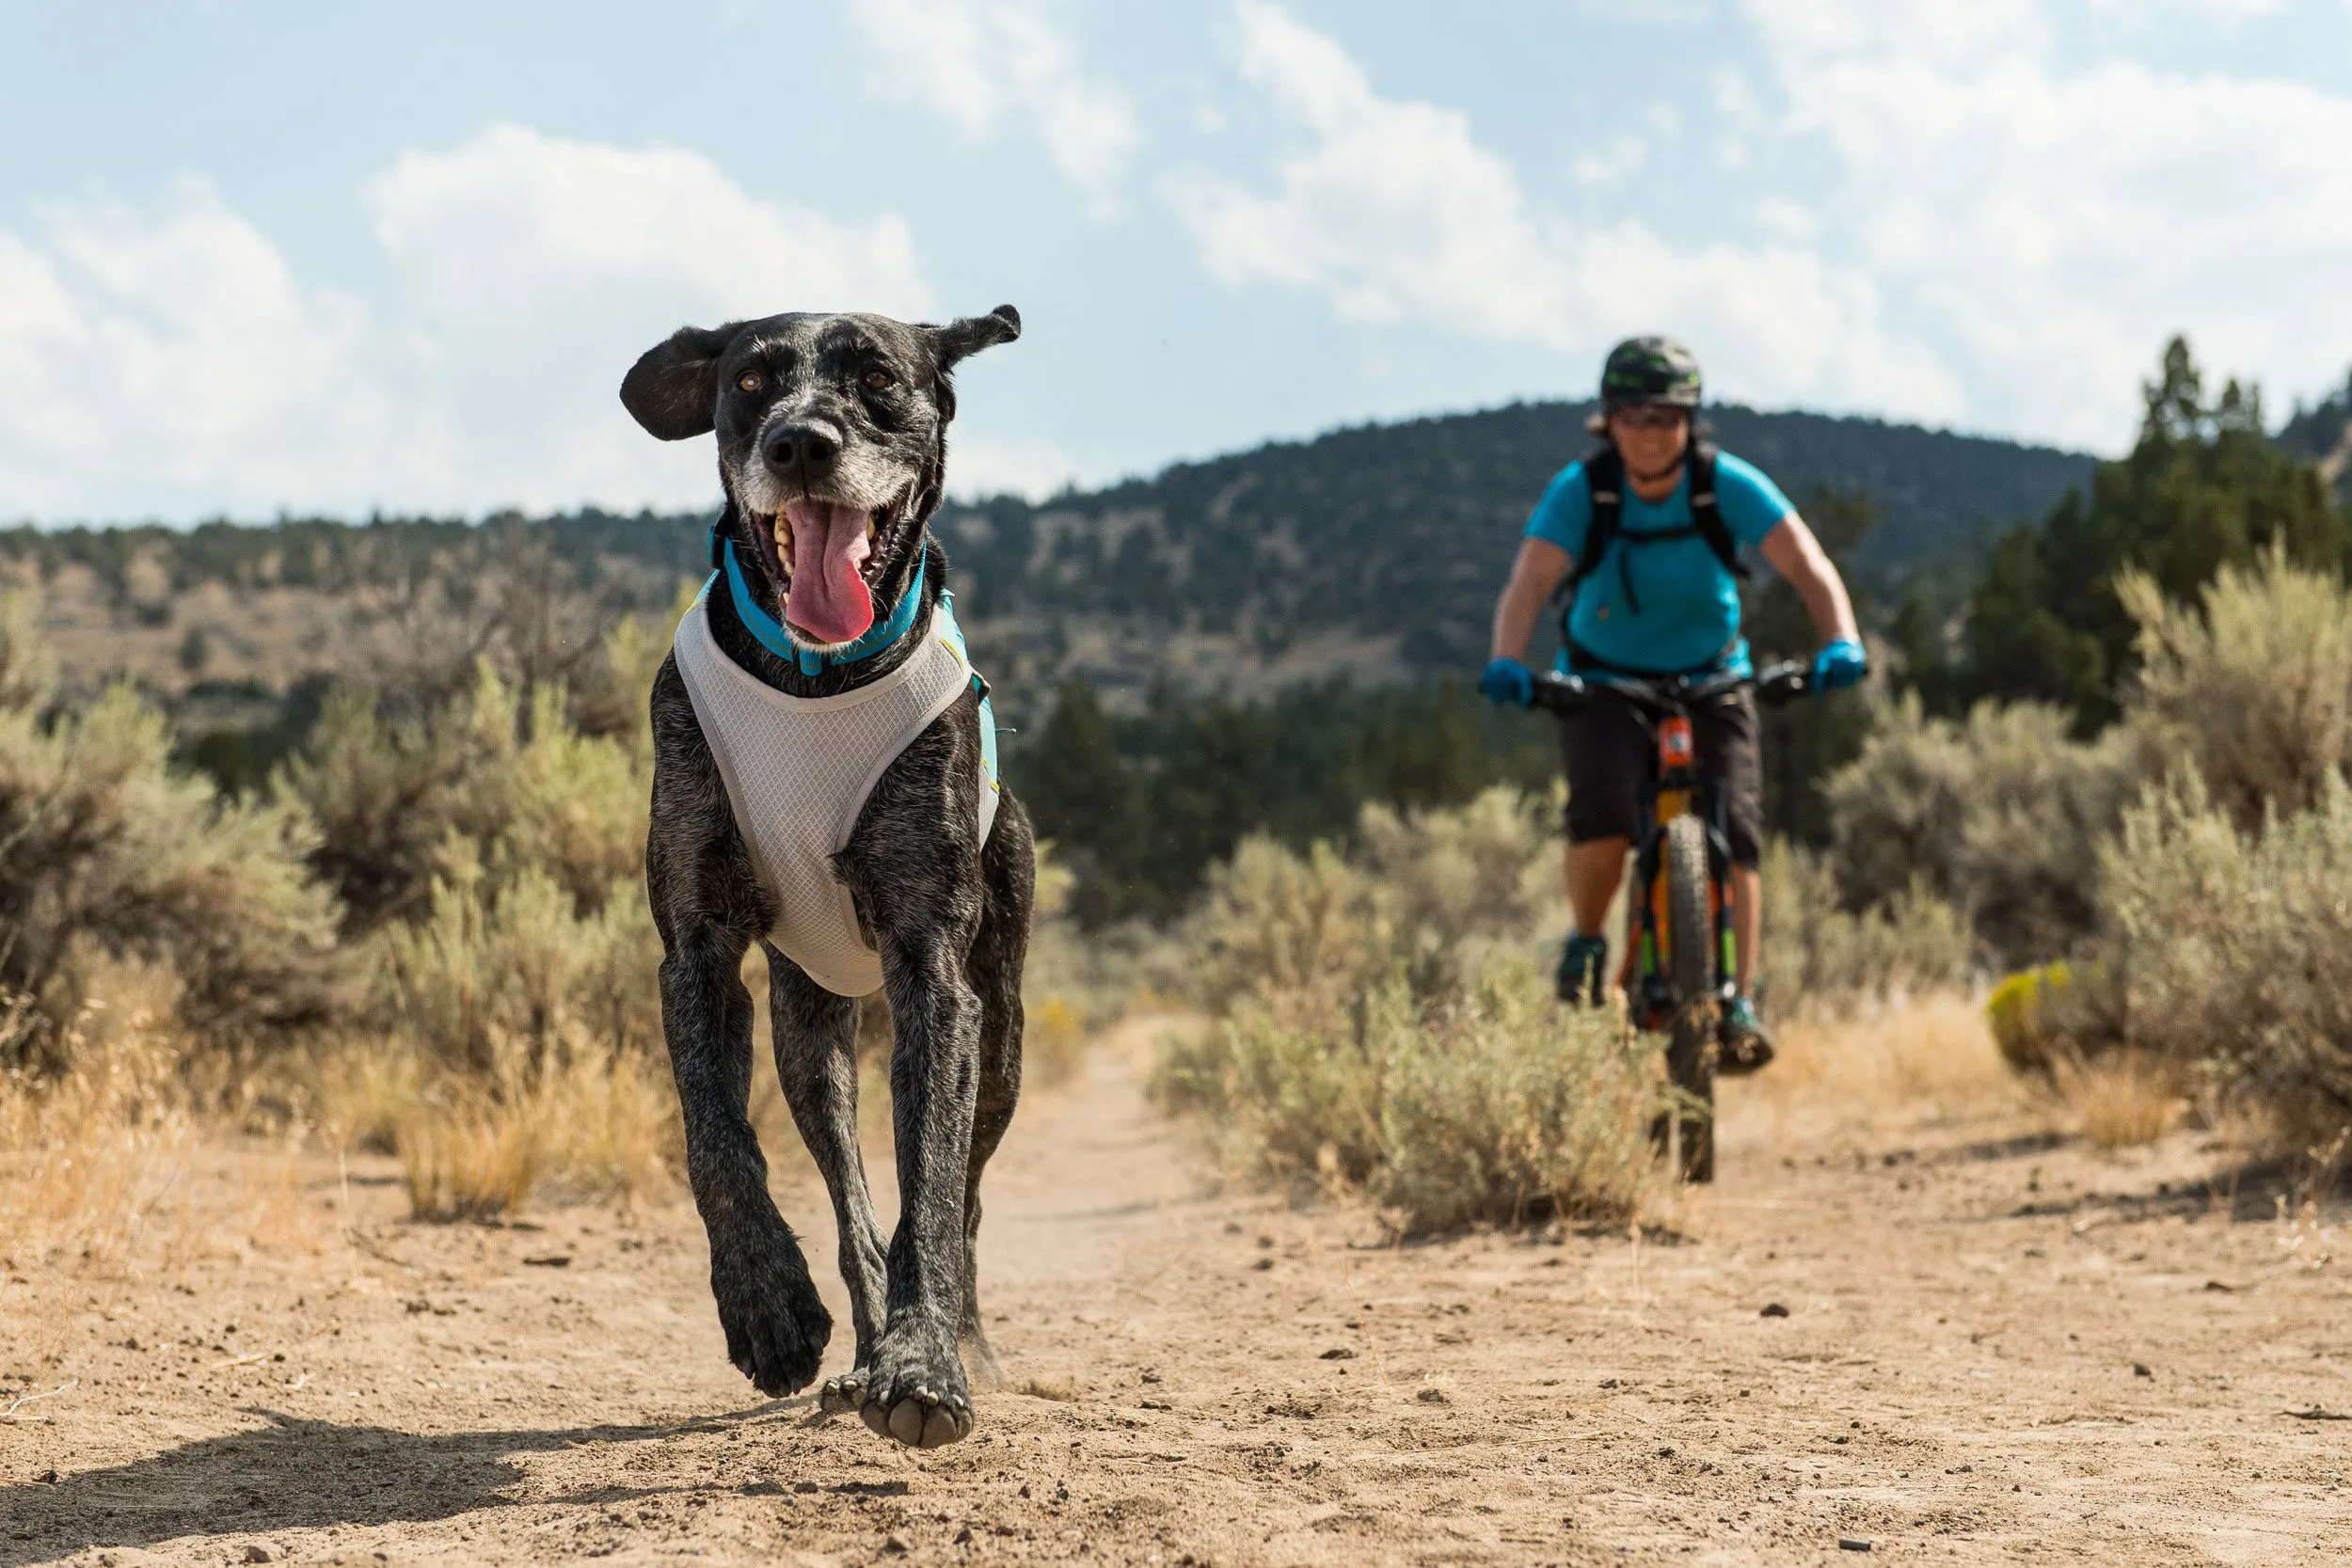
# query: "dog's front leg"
914, 1386
707, 904
775, 1326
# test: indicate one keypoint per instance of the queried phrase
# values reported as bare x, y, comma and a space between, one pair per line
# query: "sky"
260, 257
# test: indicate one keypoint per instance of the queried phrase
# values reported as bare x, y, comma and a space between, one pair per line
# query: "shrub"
2015, 1012
1431, 892
533, 776
1073, 984
1999, 816
376, 789
110, 854
1489, 1105
1932, 1061
2253, 687
495, 973
1820, 958
2233, 949
1458, 885
1379, 1028
1499, 1107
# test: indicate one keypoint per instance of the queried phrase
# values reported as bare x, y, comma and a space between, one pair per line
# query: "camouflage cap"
1649, 369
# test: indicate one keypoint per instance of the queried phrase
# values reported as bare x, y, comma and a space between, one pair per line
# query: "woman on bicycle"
1645, 531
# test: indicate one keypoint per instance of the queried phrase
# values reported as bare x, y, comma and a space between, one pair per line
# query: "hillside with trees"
1371, 553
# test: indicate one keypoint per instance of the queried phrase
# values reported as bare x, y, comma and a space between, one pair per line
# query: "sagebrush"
2000, 816
1819, 957
1381, 1025
1486, 1106
2232, 950
111, 854
2251, 685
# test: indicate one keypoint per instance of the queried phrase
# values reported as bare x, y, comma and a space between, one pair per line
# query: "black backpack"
1604, 475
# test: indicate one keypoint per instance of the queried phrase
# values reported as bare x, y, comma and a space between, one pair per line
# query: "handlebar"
1774, 684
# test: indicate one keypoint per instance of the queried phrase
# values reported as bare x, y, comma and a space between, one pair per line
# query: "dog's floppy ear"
673, 389
960, 339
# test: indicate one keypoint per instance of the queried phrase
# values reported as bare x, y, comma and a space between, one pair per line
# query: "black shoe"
1584, 964
1747, 1045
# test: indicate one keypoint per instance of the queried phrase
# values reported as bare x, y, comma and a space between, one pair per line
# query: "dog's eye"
877, 380
750, 380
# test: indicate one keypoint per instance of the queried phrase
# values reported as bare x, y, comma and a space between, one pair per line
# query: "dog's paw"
775, 1326
914, 1391
843, 1394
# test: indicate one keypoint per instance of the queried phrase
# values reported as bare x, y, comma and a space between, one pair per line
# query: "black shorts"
1608, 750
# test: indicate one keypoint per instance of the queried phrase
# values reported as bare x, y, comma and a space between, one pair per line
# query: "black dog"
832, 429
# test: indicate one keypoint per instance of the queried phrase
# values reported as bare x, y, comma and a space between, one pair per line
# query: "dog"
831, 442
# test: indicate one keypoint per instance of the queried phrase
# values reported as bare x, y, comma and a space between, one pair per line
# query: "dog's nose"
806, 448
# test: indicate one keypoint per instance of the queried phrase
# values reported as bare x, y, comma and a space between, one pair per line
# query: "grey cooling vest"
798, 770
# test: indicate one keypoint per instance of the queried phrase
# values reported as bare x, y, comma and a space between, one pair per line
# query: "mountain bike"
1680, 962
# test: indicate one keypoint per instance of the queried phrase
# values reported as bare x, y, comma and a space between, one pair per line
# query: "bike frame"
1675, 787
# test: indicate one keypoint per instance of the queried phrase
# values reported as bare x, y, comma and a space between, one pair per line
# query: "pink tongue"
828, 599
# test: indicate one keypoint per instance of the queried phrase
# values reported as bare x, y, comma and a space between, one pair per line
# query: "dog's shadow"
296, 1474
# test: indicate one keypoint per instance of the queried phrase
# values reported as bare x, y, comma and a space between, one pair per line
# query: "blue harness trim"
772, 636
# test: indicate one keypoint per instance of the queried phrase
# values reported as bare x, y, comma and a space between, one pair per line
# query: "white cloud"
1394, 212
982, 62
171, 362
2001, 240
2053, 225
139, 353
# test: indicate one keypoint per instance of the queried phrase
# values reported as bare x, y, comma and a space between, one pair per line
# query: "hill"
1373, 552
1376, 550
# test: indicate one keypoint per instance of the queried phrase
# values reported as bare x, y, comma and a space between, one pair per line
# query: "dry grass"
2122, 1099
476, 1150
366, 1092
85, 1155
1930, 1061
477, 1159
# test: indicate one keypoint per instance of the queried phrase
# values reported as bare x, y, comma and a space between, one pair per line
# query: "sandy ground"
1975, 1343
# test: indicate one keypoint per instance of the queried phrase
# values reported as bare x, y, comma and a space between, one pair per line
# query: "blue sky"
264, 256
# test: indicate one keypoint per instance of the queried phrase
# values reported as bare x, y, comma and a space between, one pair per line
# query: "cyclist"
1651, 561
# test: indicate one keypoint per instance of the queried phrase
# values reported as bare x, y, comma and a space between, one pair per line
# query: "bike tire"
1691, 1049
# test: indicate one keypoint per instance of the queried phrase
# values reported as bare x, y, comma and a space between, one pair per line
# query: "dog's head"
833, 445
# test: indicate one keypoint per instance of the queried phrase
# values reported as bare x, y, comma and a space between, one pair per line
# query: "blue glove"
1506, 680
1840, 664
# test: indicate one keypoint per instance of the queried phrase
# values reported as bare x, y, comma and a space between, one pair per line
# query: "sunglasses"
1651, 417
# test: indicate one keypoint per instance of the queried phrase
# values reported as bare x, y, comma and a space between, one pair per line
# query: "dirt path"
1996, 1346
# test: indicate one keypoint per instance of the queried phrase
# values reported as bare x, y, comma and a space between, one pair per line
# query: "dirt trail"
1996, 1346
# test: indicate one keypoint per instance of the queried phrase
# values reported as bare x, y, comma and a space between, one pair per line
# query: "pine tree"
2203, 487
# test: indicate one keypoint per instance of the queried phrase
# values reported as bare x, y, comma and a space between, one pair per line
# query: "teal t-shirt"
1690, 616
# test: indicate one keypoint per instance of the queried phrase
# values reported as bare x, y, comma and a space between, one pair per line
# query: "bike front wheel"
1688, 1130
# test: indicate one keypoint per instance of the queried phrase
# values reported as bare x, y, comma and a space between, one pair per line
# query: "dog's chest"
798, 770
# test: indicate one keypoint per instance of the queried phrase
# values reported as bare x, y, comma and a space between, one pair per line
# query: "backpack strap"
1707, 514
1604, 479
